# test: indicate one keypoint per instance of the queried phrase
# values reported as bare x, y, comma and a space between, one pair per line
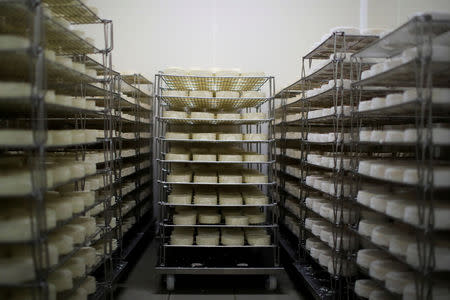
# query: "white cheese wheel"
177, 135
310, 222
378, 269
88, 223
364, 105
312, 242
366, 226
381, 235
170, 93
365, 257
377, 102
317, 204
207, 239
175, 71
185, 218
181, 239
250, 199
179, 177
89, 284
205, 199
236, 220
230, 157
364, 135
76, 265
439, 291
394, 99
200, 72
204, 157
255, 157
364, 287
206, 136
228, 116
230, 136
62, 279
227, 94
205, 177
175, 114
377, 136
441, 211
77, 232
59, 137
209, 218
379, 203
324, 258
201, 115
177, 156
16, 270
230, 200
441, 254
255, 137
258, 239
398, 244
227, 73
326, 235
63, 242
366, 74
16, 137
254, 116
394, 136
256, 218
63, 100
316, 251
440, 176
317, 228
88, 254
179, 198
255, 178
232, 239
343, 268
201, 94
15, 225
230, 177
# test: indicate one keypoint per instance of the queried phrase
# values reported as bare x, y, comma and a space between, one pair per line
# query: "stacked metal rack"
53, 179
314, 133
214, 259
400, 162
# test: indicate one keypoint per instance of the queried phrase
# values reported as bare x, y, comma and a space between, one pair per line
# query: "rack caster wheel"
271, 283
170, 282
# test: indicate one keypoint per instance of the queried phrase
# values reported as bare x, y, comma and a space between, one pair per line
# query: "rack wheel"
170, 282
271, 283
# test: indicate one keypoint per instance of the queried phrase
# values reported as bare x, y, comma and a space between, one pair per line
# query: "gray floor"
144, 283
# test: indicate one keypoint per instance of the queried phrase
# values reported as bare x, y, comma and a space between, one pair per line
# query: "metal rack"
299, 98
192, 259
46, 24
422, 72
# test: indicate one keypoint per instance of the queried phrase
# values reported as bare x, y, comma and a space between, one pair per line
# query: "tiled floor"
144, 283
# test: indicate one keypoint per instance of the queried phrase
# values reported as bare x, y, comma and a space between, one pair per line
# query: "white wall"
266, 35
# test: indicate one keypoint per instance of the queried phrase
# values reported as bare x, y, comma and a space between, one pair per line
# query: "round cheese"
316, 251
181, 239
205, 177
256, 218
258, 239
177, 135
230, 239
257, 199
179, 177
381, 235
76, 265
171, 93
61, 279
63, 242
204, 136
175, 114
88, 254
201, 94
255, 137
324, 258
230, 178
378, 203
205, 199
230, 200
179, 198
364, 287
228, 116
230, 157
366, 226
89, 284
365, 257
175, 71
236, 220
209, 218
227, 73
395, 282
204, 157
326, 235
378, 269
227, 94
201, 115
255, 178
207, 239
185, 219
230, 136
254, 116
177, 156
441, 254
441, 211
312, 242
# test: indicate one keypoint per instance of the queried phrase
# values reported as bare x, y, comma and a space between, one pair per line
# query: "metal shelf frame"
162, 146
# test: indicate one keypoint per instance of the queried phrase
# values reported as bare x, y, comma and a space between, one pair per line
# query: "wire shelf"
344, 42
215, 141
220, 246
215, 183
217, 205
213, 83
76, 12
169, 224
217, 162
212, 103
404, 37
405, 75
190, 121
135, 78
